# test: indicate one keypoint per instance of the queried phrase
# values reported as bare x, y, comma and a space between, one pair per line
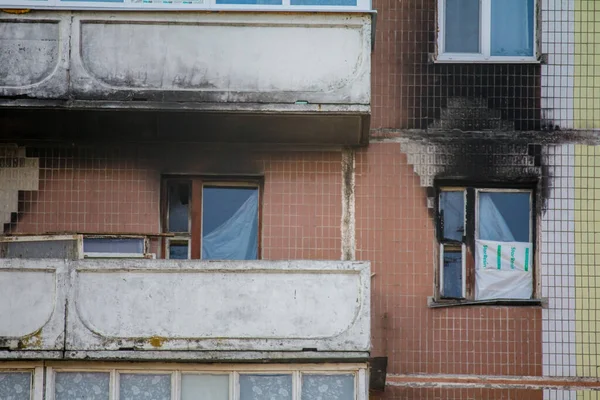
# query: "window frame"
208, 5
99, 255
36, 390
471, 233
485, 37
233, 371
195, 222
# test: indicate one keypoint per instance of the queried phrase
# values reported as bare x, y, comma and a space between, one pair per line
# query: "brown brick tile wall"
395, 231
456, 394
117, 190
302, 206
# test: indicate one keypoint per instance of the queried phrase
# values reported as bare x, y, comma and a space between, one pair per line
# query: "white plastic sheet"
503, 270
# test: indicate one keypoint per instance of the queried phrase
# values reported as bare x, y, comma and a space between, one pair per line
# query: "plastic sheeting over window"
229, 223
503, 270
503, 252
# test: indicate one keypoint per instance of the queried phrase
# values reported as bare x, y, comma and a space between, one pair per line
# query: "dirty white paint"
348, 205
32, 304
195, 57
34, 55
199, 304
243, 308
38, 304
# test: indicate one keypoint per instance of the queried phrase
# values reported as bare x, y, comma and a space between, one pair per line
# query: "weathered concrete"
348, 205
117, 308
191, 57
32, 304
232, 73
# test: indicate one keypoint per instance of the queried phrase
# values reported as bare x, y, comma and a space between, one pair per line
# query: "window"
486, 30
45, 246
114, 247
16, 385
215, 5
218, 383
486, 243
211, 220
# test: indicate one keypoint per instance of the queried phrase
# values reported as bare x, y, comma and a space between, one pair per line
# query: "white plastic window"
487, 31
114, 247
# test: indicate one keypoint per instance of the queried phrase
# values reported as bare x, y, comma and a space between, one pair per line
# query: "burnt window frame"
484, 35
194, 234
471, 204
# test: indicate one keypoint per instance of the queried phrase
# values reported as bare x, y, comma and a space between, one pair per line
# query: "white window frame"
164, 5
232, 370
93, 255
475, 233
36, 369
485, 37
47, 238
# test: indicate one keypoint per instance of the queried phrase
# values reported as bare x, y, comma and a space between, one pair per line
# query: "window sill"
432, 303
447, 59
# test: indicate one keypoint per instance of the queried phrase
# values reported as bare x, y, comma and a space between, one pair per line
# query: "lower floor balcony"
181, 310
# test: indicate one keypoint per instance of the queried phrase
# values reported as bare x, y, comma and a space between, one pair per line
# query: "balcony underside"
142, 122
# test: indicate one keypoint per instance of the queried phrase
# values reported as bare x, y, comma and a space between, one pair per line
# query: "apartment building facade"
299, 199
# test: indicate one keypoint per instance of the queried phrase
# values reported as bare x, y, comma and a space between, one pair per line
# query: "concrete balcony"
190, 310
301, 78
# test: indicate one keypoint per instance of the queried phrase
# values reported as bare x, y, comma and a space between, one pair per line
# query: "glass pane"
512, 27
504, 216
178, 251
15, 385
65, 249
179, 200
248, 1
260, 387
82, 385
462, 26
452, 214
323, 2
145, 387
229, 223
204, 387
107, 245
452, 284
327, 387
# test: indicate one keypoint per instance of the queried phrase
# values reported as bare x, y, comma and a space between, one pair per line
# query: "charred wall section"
411, 92
482, 161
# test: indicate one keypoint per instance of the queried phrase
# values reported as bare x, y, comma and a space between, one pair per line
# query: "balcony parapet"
166, 309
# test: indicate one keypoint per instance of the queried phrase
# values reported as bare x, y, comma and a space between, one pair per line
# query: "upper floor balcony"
234, 76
